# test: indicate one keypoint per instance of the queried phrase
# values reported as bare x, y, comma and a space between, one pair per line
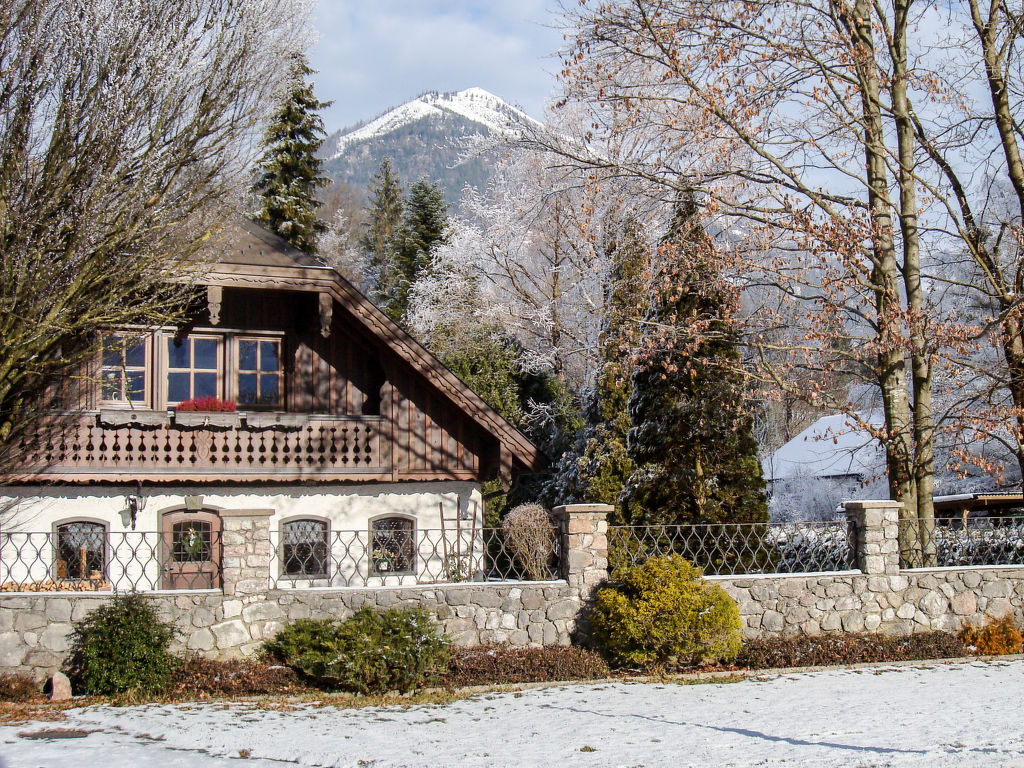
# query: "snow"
833, 446
474, 104
961, 714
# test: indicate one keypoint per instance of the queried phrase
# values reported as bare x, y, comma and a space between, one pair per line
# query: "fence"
961, 542
86, 558
730, 549
310, 555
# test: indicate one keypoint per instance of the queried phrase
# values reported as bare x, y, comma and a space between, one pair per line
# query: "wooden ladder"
453, 560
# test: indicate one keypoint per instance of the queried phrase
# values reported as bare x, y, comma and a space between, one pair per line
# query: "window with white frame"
305, 548
260, 372
123, 370
193, 367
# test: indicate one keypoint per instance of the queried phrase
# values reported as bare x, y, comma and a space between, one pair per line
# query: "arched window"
305, 549
392, 546
81, 550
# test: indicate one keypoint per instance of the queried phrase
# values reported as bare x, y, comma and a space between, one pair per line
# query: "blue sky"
375, 54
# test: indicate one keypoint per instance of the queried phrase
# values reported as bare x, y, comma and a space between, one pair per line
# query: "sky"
376, 54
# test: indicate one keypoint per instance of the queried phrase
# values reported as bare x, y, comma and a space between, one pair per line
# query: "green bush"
662, 613
371, 652
121, 647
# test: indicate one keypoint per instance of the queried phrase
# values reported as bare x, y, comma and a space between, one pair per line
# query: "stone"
55, 637
59, 687
12, 649
934, 604
201, 640
58, 609
565, 609
772, 621
964, 603
230, 634
906, 611
531, 599
231, 608
29, 620
263, 611
872, 621
853, 621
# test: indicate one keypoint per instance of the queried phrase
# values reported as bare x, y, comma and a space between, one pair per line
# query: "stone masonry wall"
233, 621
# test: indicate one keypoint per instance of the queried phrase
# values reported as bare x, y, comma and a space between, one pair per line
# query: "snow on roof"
833, 446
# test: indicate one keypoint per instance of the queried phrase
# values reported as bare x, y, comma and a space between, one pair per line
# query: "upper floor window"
123, 370
193, 367
259, 372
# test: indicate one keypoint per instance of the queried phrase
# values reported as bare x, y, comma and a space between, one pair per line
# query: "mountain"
423, 138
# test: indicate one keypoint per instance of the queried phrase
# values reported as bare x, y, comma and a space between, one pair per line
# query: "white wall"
347, 508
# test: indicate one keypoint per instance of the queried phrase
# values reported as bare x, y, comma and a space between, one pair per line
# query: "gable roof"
250, 257
833, 446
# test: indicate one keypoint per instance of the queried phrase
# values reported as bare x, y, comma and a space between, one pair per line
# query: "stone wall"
879, 596
234, 620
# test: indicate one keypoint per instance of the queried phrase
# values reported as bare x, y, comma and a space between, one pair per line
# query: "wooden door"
191, 550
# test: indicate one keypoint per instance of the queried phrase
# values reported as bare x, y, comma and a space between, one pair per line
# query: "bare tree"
126, 129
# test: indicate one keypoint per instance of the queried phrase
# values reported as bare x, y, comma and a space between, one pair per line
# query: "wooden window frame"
234, 365
148, 369
165, 371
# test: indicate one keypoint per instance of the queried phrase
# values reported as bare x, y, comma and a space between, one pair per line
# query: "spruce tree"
598, 466
424, 226
691, 434
383, 229
290, 171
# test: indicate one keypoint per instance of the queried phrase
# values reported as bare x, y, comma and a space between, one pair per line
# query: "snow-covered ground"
958, 715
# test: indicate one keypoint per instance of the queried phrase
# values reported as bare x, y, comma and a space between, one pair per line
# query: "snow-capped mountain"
421, 138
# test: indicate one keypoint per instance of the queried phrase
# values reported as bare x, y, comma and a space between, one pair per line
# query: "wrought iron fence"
85, 557
971, 541
315, 557
730, 549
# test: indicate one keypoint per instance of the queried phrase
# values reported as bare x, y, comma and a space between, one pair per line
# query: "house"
366, 453
833, 459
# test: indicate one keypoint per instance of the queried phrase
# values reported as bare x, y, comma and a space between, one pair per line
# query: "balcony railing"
250, 448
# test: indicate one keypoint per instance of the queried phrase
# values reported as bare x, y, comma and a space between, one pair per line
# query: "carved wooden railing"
158, 446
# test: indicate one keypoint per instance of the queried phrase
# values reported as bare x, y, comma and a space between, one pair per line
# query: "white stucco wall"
29, 516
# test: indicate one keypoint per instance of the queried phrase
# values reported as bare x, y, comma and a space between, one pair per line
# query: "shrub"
371, 652
531, 538
844, 648
198, 677
662, 613
495, 666
121, 647
997, 637
18, 688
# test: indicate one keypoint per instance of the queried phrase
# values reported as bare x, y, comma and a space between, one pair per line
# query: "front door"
191, 550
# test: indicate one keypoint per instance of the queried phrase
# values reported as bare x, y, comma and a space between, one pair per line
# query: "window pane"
205, 352
112, 352
191, 542
81, 551
393, 548
111, 384
205, 385
177, 387
136, 386
269, 394
269, 359
304, 548
135, 355
178, 354
247, 355
247, 393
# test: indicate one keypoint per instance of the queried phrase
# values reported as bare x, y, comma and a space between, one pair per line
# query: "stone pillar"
877, 526
245, 557
584, 535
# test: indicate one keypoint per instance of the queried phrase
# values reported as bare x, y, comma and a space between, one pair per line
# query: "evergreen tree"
692, 437
597, 467
424, 226
380, 236
290, 171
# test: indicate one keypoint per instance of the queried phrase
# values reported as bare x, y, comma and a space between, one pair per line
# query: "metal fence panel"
961, 542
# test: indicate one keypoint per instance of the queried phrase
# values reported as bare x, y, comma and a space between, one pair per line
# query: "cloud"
376, 55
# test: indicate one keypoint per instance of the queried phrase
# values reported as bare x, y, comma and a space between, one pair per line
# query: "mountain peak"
475, 105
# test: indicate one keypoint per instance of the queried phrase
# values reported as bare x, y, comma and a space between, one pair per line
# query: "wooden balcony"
158, 446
